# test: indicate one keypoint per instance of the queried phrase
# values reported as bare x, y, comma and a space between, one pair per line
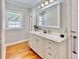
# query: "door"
74, 31
39, 45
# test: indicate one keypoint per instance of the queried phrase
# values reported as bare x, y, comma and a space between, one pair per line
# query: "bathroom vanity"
49, 46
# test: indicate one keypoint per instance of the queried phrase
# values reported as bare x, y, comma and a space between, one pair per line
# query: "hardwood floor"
21, 51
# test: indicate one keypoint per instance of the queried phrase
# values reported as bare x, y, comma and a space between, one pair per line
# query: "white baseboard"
13, 43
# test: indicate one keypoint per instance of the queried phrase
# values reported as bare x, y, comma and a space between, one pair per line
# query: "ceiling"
26, 2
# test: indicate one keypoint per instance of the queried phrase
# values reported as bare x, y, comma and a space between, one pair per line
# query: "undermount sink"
57, 37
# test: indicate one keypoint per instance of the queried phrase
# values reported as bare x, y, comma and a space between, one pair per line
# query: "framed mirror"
49, 16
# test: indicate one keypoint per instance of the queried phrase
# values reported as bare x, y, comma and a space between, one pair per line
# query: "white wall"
17, 35
32, 18
0, 27
0, 17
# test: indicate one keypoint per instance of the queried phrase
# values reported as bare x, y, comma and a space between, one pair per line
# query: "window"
40, 20
14, 20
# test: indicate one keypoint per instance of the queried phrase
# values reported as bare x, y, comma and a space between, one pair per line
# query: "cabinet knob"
49, 47
50, 54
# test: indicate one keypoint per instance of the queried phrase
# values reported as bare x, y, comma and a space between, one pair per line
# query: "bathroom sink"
54, 36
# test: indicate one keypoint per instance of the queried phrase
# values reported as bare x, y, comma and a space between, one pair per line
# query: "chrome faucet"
44, 31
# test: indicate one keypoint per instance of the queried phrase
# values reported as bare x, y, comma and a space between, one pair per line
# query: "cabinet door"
36, 43
39, 46
30, 41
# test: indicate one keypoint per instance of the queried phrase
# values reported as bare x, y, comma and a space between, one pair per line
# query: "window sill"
13, 29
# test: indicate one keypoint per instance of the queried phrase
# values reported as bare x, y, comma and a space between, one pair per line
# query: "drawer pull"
74, 46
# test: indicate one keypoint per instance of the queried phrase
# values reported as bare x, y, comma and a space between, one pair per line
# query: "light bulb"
51, 1
42, 5
46, 3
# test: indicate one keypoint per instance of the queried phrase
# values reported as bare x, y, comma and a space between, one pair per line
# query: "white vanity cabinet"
48, 49
56, 50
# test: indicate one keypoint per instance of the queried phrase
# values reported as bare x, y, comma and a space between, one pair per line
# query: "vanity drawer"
52, 49
51, 55
52, 43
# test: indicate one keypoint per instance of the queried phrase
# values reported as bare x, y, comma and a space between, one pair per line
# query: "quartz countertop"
54, 37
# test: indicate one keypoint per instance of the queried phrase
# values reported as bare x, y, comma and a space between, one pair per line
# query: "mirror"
49, 17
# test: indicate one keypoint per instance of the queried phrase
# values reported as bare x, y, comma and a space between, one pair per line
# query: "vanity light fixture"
51, 1
46, 2
42, 5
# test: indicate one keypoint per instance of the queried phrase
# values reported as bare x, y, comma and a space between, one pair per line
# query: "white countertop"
52, 37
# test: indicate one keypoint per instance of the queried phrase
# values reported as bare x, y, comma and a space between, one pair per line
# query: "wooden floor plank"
21, 51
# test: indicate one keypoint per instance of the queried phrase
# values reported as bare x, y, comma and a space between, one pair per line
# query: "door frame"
70, 27
3, 29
